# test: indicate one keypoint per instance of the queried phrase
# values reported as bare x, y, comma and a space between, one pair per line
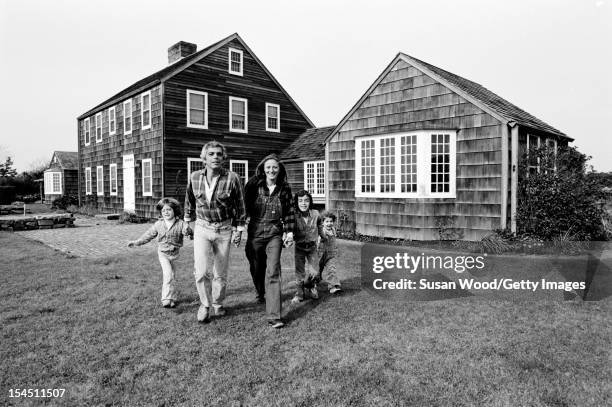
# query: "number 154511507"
36, 393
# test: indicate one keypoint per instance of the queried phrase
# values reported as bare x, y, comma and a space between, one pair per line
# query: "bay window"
419, 164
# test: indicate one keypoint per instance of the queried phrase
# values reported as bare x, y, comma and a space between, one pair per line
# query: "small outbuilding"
61, 178
424, 152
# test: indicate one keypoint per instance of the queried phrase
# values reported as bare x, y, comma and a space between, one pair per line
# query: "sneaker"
314, 294
260, 299
335, 289
203, 314
277, 324
297, 299
172, 304
166, 304
220, 311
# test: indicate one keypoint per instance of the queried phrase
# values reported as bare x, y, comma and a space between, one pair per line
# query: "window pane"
440, 159
237, 107
387, 165
367, 166
196, 116
196, 101
321, 178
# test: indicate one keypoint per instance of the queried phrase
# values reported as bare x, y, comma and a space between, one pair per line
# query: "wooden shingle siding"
295, 175
210, 75
143, 144
70, 178
408, 100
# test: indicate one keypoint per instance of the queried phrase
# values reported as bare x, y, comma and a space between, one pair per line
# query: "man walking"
215, 200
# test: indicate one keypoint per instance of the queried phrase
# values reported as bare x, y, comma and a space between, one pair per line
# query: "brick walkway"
93, 238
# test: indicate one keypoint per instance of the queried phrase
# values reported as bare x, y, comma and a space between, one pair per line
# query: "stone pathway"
94, 238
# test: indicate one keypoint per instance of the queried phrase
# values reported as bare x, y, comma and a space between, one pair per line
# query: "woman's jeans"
263, 253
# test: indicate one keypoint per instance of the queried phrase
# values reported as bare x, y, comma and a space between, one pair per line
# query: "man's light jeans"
211, 247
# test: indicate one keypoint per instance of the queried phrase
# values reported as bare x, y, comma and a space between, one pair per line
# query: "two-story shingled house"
141, 144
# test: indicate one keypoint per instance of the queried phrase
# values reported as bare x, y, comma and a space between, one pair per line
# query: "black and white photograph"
306, 203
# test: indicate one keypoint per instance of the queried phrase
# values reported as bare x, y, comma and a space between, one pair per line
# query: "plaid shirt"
227, 200
252, 188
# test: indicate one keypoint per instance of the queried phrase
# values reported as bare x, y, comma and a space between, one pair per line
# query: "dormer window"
235, 61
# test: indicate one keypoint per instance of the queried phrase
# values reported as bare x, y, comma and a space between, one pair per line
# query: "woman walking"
271, 216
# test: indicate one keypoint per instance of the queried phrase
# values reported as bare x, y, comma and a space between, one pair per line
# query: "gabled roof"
310, 145
473, 92
177, 67
67, 160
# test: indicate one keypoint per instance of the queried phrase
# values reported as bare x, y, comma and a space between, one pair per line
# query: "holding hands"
288, 239
187, 231
236, 237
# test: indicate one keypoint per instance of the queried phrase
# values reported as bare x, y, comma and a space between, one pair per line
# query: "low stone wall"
54, 221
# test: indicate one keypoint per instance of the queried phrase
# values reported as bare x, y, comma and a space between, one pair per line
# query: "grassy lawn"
96, 328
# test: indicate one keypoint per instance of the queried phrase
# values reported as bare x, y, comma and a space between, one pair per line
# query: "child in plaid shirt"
169, 233
307, 230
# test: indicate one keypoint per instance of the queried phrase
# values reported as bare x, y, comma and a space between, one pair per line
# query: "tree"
6, 169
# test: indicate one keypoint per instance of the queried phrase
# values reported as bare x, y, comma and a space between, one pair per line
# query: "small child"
307, 231
328, 250
169, 233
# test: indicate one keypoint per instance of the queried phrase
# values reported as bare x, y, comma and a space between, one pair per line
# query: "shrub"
65, 201
554, 202
88, 210
29, 198
72, 209
494, 243
131, 218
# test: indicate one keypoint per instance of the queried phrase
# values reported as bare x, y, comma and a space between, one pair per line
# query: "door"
129, 191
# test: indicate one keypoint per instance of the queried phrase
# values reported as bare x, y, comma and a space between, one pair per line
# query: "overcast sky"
61, 58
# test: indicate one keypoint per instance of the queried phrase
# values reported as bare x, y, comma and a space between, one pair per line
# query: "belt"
214, 225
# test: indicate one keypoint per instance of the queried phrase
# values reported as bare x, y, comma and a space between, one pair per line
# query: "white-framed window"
145, 107
147, 177
238, 115
87, 131
112, 121
98, 127
193, 164
100, 180
53, 183
87, 180
415, 164
241, 168
235, 61
112, 171
533, 161
197, 109
551, 144
272, 117
314, 178
127, 117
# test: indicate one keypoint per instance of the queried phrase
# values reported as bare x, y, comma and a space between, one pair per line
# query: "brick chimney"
180, 50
